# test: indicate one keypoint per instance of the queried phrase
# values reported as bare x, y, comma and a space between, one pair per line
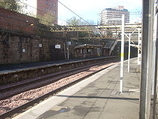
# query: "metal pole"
65, 51
68, 43
145, 89
143, 83
155, 81
155, 48
139, 44
150, 58
129, 51
122, 54
129, 48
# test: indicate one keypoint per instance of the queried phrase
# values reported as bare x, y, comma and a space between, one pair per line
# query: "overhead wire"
19, 19
74, 12
57, 16
17, 24
77, 16
39, 10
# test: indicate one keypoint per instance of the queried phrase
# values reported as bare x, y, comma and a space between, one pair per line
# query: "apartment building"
39, 7
113, 15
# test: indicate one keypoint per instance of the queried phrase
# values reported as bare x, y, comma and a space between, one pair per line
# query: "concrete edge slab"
44, 106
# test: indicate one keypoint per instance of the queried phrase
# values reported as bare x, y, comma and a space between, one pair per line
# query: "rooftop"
119, 8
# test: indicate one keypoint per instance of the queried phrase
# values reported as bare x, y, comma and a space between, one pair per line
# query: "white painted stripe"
44, 106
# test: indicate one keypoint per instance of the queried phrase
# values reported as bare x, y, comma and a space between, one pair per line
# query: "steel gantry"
97, 31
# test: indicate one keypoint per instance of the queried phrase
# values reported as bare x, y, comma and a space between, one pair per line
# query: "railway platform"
96, 97
24, 66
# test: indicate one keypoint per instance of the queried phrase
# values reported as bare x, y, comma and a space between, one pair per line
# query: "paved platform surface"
8, 68
97, 97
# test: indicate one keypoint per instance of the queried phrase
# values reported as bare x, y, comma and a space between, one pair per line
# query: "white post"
139, 44
129, 48
122, 54
129, 51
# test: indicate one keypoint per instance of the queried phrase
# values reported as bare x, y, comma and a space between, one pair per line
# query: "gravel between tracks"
22, 98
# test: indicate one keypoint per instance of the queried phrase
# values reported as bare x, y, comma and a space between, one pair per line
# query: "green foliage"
9, 4
46, 19
73, 22
83, 31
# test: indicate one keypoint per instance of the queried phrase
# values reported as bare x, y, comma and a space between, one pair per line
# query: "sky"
90, 10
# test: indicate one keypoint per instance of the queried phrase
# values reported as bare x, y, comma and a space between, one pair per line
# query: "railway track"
36, 82
41, 81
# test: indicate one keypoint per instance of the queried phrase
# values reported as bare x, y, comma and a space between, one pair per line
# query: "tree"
46, 19
77, 22
9, 4
73, 21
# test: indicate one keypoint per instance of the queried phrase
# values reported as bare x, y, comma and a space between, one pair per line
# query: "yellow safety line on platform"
122, 54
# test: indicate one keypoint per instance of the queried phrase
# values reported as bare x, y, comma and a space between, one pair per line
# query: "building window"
47, 2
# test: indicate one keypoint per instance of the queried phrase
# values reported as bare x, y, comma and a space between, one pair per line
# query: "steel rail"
39, 81
22, 108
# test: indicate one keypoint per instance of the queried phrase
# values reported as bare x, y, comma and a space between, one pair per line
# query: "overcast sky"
90, 9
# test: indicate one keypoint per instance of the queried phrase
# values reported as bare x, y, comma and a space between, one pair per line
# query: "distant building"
39, 7
114, 15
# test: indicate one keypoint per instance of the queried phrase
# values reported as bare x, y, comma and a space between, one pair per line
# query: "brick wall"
23, 39
15, 21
